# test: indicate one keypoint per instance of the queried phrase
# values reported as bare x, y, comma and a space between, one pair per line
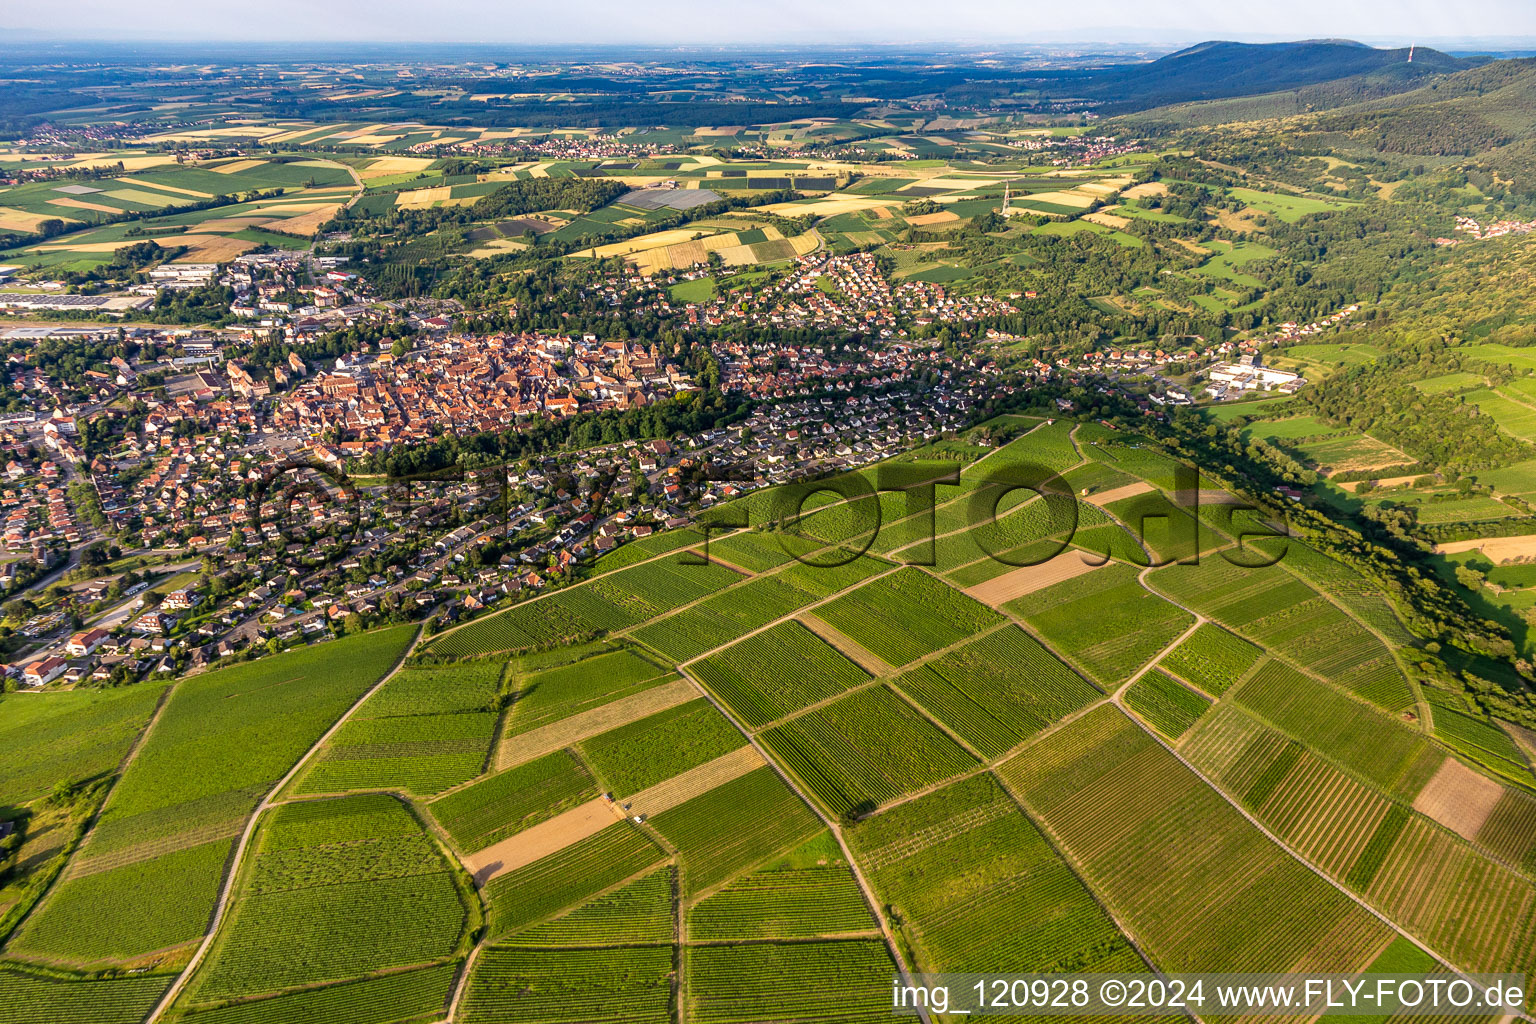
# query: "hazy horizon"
690, 23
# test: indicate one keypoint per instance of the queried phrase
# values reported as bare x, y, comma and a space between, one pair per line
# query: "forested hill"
1461, 114
1217, 69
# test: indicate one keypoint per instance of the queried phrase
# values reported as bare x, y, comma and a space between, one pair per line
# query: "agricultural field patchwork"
337, 889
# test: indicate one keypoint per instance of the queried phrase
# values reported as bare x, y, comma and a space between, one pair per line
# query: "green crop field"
506, 803
907, 614
1105, 620
420, 754
643, 753
997, 690
865, 749
1287, 617
776, 672
805, 981
968, 844
122, 912
1212, 659
1162, 849
641, 911
30, 996
570, 986
562, 880
72, 736
222, 740
337, 889
612, 601
1168, 705
734, 827
810, 892
1401, 862
718, 620
1389, 754
408, 996
544, 695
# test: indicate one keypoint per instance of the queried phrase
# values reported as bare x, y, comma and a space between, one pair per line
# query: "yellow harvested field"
236, 166
1498, 549
1011, 585
644, 242
1103, 188
497, 246
224, 224
718, 131
1107, 219
538, 171
130, 163
1077, 199
942, 217
541, 840
882, 213
81, 204
141, 183
808, 242
423, 196
136, 195
955, 184
372, 140
1115, 494
20, 220
697, 781
1459, 798
737, 255
1146, 189
1386, 481
201, 248
275, 209
830, 206
89, 246
208, 248
386, 165
297, 133
307, 223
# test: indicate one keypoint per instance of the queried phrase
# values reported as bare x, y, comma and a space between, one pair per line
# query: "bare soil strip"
694, 782
541, 840
1115, 494
851, 649
1010, 585
1459, 798
1498, 549
527, 746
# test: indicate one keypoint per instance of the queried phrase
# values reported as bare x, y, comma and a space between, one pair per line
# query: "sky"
743, 22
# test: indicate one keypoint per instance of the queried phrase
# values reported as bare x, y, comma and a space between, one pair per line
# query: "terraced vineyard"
571, 985
968, 845
997, 690
781, 670
508, 802
147, 876
1286, 616
1164, 850
337, 889
865, 749
907, 614
1105, 620
700, 792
